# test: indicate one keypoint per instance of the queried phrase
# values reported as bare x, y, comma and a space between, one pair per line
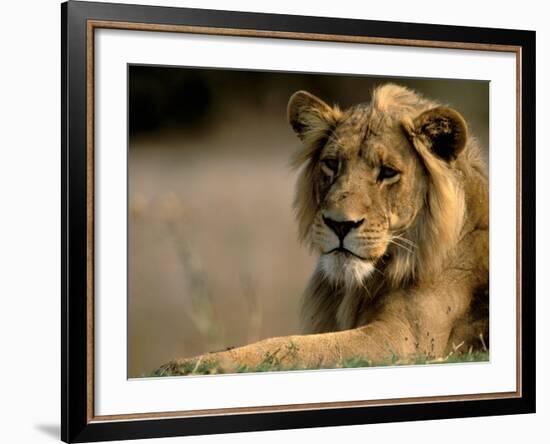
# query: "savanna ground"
273, 362
213, 256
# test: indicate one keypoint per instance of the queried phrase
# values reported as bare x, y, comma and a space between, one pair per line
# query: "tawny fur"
417, 281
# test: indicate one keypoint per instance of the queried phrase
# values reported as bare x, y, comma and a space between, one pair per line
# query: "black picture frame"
77, 425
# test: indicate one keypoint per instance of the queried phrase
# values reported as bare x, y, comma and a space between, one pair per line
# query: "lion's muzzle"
342, 228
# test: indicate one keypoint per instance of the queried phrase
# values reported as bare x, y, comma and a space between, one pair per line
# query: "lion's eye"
387, 172
330, 164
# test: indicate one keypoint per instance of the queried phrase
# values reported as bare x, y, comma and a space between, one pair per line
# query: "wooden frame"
79, 21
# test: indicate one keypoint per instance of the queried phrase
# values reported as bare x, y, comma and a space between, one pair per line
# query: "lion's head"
378, 187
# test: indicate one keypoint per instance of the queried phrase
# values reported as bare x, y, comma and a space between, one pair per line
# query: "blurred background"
213, 256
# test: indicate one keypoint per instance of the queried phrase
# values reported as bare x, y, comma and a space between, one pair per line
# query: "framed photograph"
276, 221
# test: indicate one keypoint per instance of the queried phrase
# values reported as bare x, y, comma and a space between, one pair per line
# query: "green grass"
271, 363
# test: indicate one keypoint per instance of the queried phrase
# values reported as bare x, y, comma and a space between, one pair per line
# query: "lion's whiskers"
404, 239
395, 240
397, 244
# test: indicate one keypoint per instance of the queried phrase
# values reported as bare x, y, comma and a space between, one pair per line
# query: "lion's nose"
342, 228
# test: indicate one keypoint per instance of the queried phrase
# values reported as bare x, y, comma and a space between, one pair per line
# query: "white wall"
29, 218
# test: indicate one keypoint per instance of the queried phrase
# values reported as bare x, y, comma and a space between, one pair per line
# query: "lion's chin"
345, 269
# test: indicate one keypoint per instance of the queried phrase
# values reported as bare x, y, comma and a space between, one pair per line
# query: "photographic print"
284, 221
275, 222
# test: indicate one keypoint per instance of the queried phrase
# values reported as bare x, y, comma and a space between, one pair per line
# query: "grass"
271, 363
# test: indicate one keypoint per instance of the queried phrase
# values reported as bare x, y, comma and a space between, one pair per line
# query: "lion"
392, 195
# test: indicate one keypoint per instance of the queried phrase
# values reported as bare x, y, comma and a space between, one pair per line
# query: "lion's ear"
309, 116
444, 130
